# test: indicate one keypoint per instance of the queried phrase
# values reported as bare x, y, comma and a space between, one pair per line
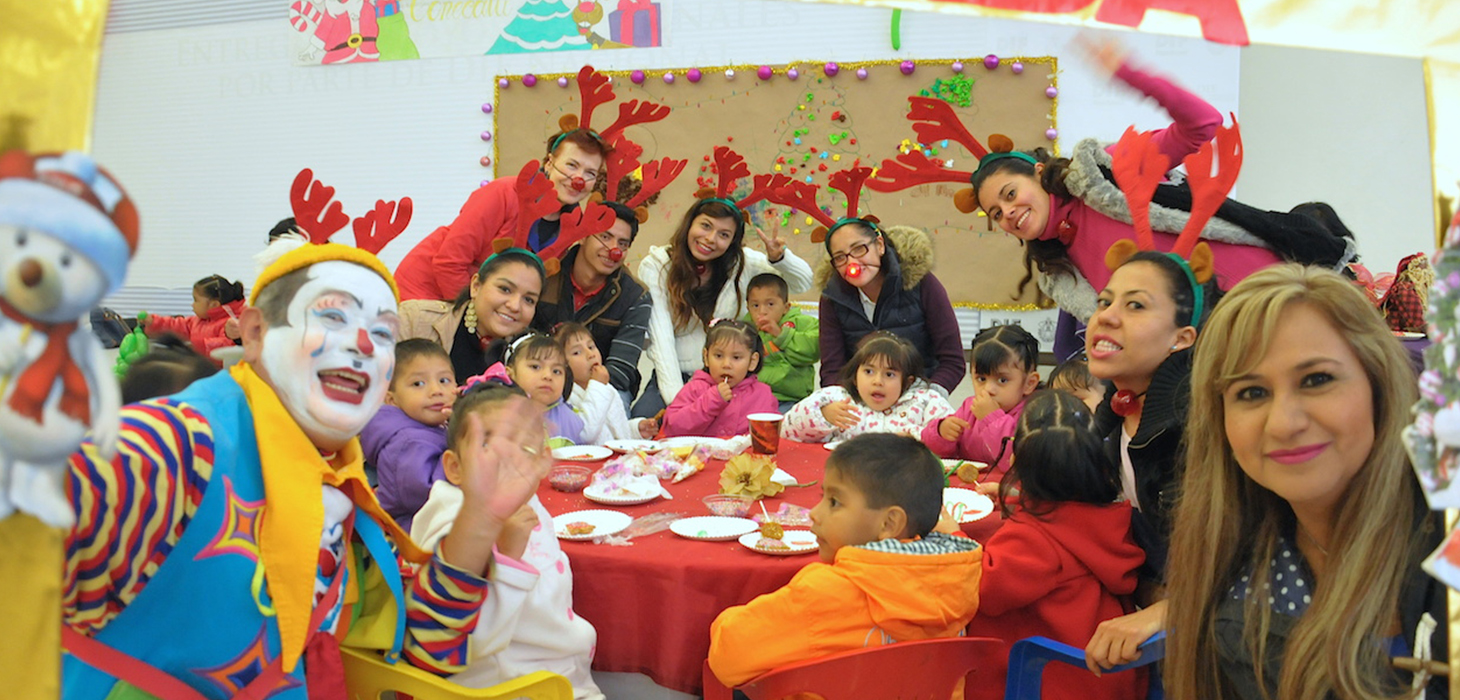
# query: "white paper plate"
598, 494
713, 528
691, 441
799, 541
633, 445
604, 522
832, 445
582, 453
953, 464
967, 505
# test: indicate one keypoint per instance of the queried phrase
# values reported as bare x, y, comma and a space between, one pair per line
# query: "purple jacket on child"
407, 458
982, 441
699, 409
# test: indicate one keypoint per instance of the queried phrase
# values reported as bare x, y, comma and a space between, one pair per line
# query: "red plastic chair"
929, 668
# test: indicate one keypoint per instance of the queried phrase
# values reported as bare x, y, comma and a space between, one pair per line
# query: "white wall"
207, 125
1345, 128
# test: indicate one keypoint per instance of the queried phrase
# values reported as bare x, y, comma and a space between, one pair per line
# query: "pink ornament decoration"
1051, 133
486, 108
990, 61
637, 77
529, 80
503, 82
484, 183
1051, 92
1017, 67
486, 136
486, 161
861, 74
563, 81
729, 73
957, 66
694, 75
907, 67
831, 69
668, 78
793, 74
764, 72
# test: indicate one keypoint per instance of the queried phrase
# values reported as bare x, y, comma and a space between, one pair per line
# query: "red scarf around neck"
55, 362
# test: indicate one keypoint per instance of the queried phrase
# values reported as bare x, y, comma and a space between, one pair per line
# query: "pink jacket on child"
982, 441
699, 409
206, 334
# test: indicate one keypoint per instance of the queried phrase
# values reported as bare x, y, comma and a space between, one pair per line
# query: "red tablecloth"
653, 602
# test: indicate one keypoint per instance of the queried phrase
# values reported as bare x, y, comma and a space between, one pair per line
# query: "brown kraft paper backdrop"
844, 117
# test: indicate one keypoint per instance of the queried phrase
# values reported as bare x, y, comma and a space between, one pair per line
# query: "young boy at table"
527, 622
792, 339
884, 575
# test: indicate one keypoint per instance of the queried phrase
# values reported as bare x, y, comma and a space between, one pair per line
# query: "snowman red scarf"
34, 383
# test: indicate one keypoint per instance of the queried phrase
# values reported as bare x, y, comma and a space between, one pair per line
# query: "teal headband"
1197, 295
733, 206
564, 135
984, 161
522, 251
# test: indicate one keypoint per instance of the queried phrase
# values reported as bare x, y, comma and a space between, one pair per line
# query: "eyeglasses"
610, 241
589, 175
855, 251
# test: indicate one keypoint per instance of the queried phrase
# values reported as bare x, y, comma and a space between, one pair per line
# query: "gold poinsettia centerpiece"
749, 475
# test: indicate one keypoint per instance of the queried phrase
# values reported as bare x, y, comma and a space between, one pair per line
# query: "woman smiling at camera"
1297, 541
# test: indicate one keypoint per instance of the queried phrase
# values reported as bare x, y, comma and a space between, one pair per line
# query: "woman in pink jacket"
216, 301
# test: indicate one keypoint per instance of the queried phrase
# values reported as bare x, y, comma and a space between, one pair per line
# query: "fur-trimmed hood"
914, 256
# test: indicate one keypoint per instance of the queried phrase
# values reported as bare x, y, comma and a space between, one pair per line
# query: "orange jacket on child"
206, 334
878, 593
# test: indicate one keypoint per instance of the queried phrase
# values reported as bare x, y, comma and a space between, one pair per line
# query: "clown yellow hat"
311, 253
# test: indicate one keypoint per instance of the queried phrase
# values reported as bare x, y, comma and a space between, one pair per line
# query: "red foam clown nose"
854, 270
616, 254
578, 183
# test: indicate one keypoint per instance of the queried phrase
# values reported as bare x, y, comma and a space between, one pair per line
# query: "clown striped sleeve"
441, 612
131, 510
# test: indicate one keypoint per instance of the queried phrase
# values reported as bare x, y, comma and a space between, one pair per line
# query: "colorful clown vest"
201, 618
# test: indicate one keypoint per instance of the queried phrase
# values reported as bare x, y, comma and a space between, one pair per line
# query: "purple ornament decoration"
668, 78
486, 108
831, 69
1051, 92
792, 73
907, 67
1051, 133
563, 82
637, 77
990, 61
957, 66
861, 74
503, 82
486, 136
764, 72
529, 80
1017, 67
694, 75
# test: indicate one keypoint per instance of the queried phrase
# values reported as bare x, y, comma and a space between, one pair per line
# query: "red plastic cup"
765, 433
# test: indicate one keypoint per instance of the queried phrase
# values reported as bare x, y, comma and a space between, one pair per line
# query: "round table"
652, 602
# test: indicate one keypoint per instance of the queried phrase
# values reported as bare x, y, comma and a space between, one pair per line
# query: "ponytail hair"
219, 289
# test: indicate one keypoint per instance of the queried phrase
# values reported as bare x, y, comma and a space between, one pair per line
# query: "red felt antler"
622, 160
595, 90
1208, 191
657, 175
729, 167
313, 211
1139, 166
536, 197
763, 187
912, 169
802, 197
577, 225
635, 112
849, 182
934, 120
381, 225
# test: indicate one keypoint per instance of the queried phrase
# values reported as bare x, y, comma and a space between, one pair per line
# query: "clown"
67, 231
264, 545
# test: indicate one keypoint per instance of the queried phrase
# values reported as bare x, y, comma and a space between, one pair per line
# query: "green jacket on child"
790, 358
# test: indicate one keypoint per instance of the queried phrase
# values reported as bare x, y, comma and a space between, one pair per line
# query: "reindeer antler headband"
801, 196
729, 168
595, 89
934, 120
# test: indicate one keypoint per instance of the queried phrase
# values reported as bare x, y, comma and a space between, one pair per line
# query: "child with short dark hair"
406, 437
592, 397
169, 366
1065, 560
1005, 372
880, 393
216, 301
792, 339
718, 400
884, 575
526, 622
1074, 377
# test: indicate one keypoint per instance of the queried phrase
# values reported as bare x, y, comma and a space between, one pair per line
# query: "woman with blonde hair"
1300, 526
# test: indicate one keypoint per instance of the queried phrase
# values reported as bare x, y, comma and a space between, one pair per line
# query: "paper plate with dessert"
625, 446
773, 539
581, 453
588, 524
713, 528
607, 493
967, 505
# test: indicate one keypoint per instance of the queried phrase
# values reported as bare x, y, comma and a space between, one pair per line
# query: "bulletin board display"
826, 119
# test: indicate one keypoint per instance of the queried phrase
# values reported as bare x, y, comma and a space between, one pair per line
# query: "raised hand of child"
516, 531
598, 373
983, 404
230, 329
841, 414
951, 428
725, 389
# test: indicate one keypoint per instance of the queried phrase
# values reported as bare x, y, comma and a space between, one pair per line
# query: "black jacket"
617, 316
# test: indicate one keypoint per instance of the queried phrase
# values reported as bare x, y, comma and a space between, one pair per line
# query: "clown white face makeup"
331, 365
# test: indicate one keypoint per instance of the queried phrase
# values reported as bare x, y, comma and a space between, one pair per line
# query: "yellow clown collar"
309, 254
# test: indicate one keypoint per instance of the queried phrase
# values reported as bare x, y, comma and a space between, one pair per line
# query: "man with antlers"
232, 545
441, 265
592, 287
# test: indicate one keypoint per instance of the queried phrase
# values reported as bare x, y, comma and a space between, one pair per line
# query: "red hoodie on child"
206, 334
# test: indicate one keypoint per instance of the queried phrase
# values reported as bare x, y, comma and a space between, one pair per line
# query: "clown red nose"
854, 270
578, 183
616, 254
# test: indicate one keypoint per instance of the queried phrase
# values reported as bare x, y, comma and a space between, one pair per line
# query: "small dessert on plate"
580, 528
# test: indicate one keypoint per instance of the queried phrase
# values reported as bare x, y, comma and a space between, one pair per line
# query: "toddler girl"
718, 399
877, 395
1074, 377
1005, 361
1065, 561
536, 363
592, 397
216, 301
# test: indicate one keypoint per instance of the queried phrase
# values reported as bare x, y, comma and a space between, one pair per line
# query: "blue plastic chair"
1028, 656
